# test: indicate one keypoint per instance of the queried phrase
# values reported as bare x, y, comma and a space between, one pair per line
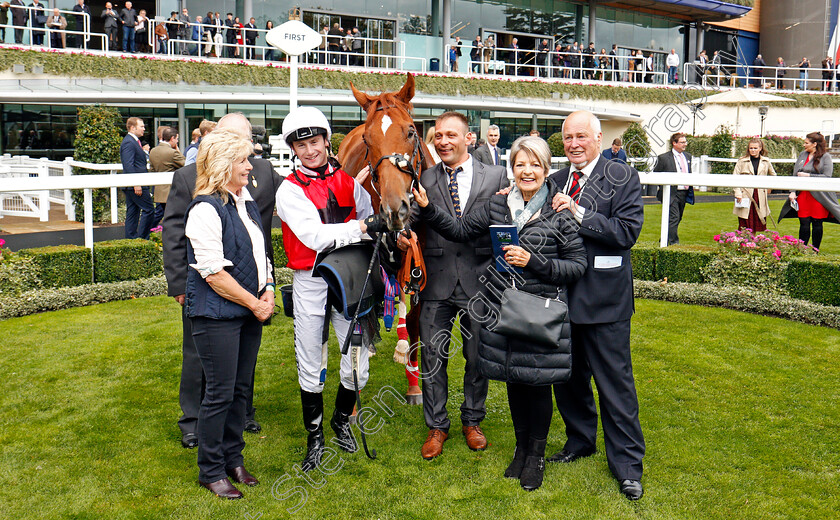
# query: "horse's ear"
406, 94
363, 99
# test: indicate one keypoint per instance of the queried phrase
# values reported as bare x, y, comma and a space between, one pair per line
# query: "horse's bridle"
408, 164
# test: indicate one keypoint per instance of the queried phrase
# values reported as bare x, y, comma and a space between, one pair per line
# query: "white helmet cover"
303, 123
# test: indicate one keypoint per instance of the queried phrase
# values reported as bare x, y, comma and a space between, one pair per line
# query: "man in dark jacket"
605, 198
39, 19
81, 9
128, 17
250, 38
230, 36
112, 24
758, 70
458, 183
139, 208
263, 182
589, 60
19, 18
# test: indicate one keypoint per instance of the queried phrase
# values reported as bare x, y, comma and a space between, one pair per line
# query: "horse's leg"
412, 371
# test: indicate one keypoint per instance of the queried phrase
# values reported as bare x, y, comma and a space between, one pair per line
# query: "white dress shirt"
679, 158
204, 230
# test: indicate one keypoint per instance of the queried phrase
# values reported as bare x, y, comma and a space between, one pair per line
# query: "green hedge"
643, 260
120, 260
280, 258
816, 280
194, 73
676, 263
61, 266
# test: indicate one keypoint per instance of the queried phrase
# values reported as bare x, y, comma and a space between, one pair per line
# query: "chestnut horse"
389, 143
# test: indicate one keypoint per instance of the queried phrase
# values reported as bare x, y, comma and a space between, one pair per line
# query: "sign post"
293, 38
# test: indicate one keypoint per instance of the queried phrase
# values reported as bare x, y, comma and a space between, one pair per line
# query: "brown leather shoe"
434, 444
476, 440
222, 488
241, 475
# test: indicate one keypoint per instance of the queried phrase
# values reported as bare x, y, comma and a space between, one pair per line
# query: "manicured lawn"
739, 412
704, 220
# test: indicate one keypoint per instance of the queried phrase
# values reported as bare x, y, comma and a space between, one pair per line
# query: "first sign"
293, 38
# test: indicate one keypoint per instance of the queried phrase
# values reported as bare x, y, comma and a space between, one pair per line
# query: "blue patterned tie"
453, 188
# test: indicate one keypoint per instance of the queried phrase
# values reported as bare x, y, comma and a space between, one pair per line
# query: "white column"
666, 210
445, 24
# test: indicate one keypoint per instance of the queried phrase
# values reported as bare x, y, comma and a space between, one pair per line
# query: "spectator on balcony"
172, 26
251, 36
489, 54
128, 17
184, 31
803, 72
58, 26
334, 37
112, 25
603, 65
322, 49
780, 72
576, 63
141, 32
702, 67
475, 54
589, 61
218, 34
347, 47
542, 61
39, 20
672, 62
758, 71
195, 35
20, 17
827, 73
268, 55
230, 36
240, 37
649, 68
81, 10
615, 73
631, 67
458, 53
4, 20
557, 61
359, 48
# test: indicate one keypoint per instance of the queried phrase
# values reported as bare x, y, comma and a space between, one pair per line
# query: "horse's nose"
404, 212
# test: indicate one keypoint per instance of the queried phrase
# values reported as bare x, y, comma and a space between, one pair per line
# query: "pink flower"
716, 238
750, 244
777, 253
2, 242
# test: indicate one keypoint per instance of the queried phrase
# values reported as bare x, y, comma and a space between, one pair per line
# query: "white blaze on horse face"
386, 123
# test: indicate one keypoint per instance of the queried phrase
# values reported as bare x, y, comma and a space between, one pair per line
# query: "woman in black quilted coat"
551, 255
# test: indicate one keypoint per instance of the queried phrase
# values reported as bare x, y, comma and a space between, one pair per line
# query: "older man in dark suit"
676, 160
489, 153
458, 183
139, 208
263, 182
605, 198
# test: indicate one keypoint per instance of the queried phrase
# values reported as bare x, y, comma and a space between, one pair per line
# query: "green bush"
636, 144
683, 263
120, 260
643, 260
335, 141
61, 266
17, 274
67, 297
98, 140
555, 144
814, 279
280, 258
721, 146
756, 301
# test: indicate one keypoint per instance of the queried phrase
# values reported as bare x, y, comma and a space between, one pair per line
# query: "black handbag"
528, 317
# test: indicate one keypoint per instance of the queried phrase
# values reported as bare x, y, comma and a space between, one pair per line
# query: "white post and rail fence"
45, 184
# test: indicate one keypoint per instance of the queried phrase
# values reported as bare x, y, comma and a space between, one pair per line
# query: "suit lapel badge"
254, 181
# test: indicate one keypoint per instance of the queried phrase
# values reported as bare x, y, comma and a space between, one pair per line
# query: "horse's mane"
389, 99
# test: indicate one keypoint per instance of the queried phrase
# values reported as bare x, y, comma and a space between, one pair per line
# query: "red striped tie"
575, 188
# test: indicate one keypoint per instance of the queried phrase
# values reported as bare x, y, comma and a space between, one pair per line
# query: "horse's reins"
412, 274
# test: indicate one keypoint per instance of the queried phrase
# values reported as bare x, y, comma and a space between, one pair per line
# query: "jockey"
321, 207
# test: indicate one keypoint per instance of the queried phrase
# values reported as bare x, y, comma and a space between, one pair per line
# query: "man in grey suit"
489, 153
263, 182
458, 183
676, 160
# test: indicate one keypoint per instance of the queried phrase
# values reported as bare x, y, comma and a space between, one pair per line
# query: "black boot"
519, 454
313, 414
344, 401
532, 473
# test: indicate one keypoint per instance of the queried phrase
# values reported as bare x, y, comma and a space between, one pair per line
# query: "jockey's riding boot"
519, 454
531, 477
313, 414
344, 401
